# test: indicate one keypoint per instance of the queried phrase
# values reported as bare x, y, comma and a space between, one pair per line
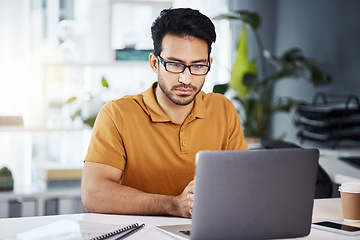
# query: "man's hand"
185, 200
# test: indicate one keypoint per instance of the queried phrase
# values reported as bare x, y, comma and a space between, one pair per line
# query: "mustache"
182, 85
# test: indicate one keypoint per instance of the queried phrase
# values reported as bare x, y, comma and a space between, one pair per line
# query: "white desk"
323, 209
338, 170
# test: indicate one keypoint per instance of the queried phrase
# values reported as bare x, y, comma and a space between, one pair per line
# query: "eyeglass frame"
163, 62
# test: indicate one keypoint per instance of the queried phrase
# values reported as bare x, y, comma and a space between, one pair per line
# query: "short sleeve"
106, 144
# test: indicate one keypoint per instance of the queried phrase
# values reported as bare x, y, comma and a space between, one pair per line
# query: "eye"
198, 66
175, 65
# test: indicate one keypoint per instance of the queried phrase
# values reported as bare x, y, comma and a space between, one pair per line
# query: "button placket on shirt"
183, 142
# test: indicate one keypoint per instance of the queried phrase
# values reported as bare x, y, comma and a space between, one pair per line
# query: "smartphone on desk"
337, 228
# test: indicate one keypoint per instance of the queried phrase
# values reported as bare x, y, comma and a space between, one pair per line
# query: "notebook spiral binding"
121, 230
131, 232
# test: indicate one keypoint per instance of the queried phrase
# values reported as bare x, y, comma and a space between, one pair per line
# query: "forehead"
187, 48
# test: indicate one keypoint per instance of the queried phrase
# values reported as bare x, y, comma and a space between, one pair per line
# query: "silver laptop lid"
257, 194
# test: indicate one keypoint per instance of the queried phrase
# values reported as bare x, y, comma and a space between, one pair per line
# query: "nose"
185, 77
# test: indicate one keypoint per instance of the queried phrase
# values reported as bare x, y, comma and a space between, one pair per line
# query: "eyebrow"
179, 60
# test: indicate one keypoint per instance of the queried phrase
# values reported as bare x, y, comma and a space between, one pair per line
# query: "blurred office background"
54, 50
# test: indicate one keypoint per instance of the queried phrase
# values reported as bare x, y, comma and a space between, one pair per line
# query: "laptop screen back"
257, 194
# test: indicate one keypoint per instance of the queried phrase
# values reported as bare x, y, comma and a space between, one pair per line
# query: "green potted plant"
255, 92
6, 180
87, 111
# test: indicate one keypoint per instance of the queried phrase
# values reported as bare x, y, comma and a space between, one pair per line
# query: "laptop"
251, 194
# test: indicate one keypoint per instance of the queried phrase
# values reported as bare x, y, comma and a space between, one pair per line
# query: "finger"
190, 197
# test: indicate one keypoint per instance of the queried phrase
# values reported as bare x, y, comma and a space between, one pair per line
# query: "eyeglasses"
175, 67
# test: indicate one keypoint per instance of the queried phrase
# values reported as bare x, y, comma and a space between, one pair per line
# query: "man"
141, 158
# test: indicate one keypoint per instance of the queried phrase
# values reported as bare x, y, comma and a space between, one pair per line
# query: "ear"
211, 60
153, 62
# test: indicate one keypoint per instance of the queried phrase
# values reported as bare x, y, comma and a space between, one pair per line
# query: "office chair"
324, 185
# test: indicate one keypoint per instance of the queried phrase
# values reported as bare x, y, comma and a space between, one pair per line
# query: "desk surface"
323, 209
339, 170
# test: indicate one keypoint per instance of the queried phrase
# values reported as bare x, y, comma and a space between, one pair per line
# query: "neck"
176, 112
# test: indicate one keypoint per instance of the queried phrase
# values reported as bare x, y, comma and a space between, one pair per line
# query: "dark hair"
182, 22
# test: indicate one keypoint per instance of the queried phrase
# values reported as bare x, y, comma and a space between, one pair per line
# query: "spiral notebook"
76, 229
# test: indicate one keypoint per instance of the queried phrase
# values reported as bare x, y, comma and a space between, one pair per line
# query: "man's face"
182, 88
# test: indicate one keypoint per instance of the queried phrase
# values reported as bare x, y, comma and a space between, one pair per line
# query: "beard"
180, 100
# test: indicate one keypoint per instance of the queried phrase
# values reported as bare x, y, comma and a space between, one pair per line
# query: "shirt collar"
157, 114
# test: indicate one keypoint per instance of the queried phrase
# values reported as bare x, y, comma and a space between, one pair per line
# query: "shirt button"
181, 130
184, 144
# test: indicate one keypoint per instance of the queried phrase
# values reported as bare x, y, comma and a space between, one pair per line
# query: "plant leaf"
292, 54
310, 70
76, 114
251, 18
227, 16
241, 66
70, 100
90, 121
220, 88
250, 80
104, 82
284, 104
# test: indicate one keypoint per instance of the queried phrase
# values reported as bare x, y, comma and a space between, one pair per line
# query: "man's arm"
101, 192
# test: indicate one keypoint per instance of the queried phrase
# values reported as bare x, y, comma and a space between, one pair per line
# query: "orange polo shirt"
156, 153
